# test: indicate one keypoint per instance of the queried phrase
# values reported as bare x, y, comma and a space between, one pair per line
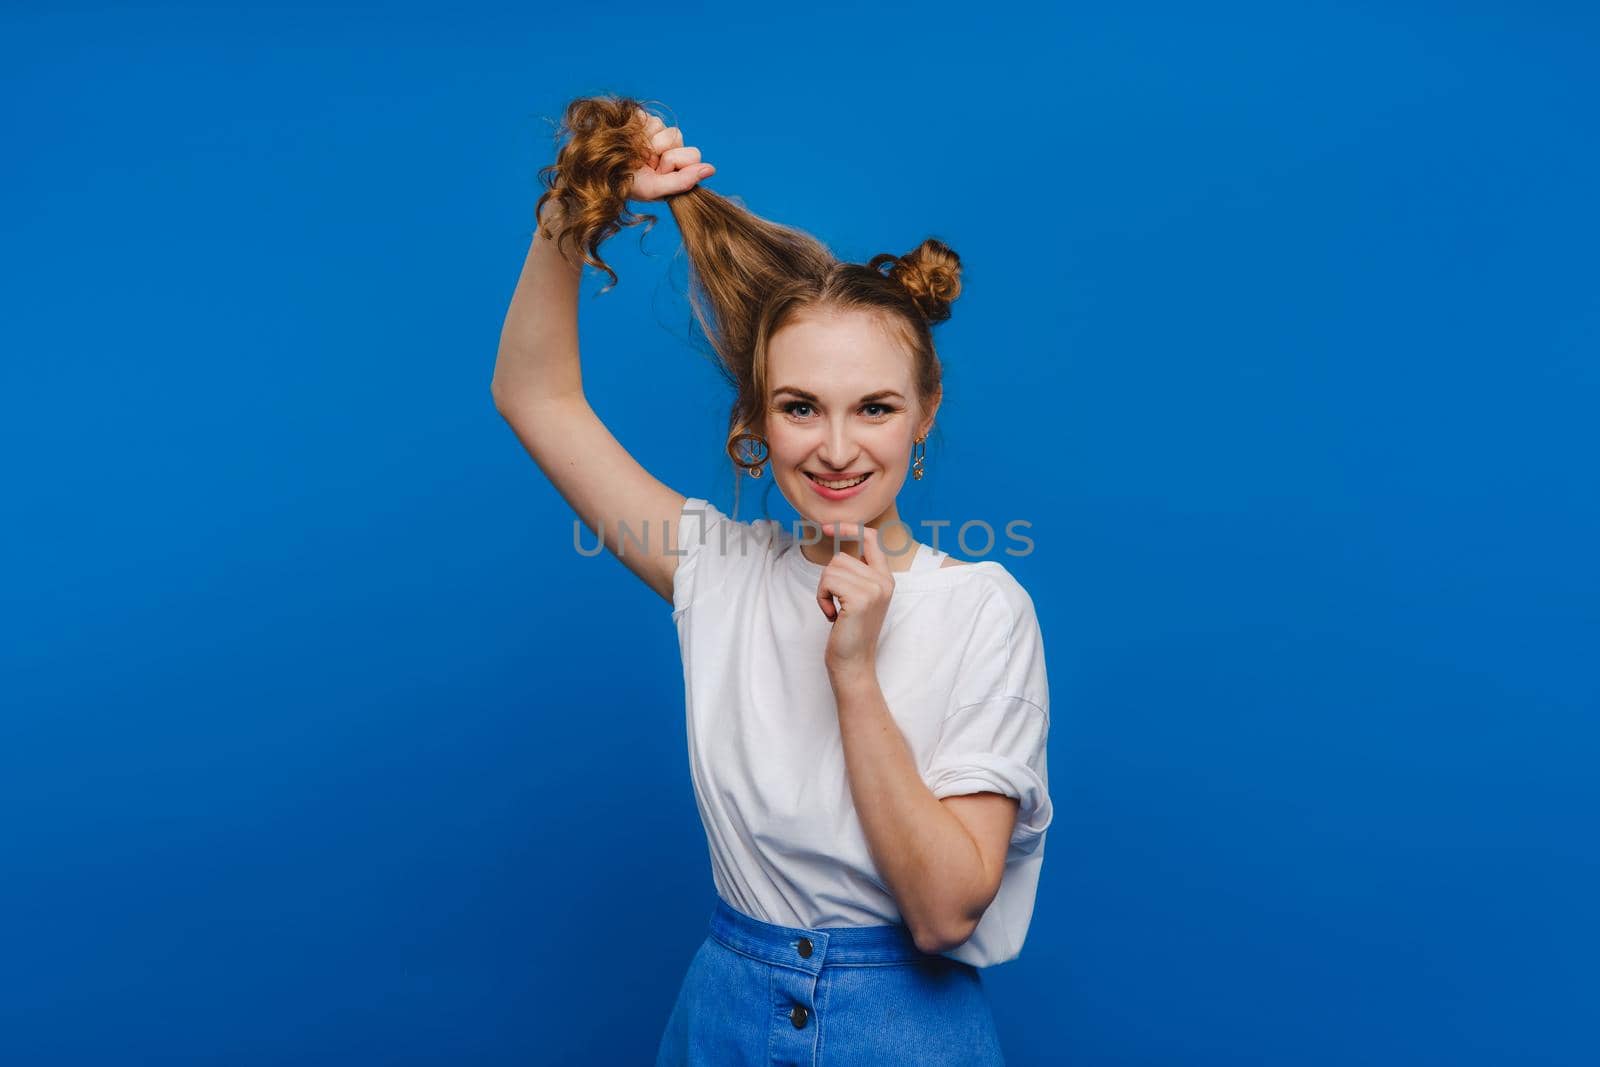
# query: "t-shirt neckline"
923, 577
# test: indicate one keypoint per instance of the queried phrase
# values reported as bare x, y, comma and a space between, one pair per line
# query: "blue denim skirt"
836, 996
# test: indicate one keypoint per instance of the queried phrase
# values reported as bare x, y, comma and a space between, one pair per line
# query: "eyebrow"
813, 398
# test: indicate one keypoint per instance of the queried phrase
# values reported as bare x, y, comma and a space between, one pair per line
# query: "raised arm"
538, 383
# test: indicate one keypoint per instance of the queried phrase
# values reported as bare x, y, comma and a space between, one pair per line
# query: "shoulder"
1004, 653
701, 519
715, 550
988, 609
1001, 595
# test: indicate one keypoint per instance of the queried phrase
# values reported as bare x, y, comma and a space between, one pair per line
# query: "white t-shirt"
961, 665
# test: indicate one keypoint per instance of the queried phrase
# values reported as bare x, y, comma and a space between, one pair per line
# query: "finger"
652, 127
849, 564
825, 600
838, 580
849, 590
873, 554
679, 181
677, 158
847, 532
860, 583
671, 137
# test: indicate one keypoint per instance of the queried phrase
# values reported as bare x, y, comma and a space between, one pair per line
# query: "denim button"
805, 948
798, 1016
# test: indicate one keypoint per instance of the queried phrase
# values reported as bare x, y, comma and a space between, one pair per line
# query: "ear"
929, 412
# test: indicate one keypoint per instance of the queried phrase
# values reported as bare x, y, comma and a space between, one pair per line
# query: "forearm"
930, 862
538, 357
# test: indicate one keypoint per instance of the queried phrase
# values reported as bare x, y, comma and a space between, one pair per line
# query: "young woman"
867, 716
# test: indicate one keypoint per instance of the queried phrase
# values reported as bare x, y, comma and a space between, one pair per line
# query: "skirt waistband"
809, 950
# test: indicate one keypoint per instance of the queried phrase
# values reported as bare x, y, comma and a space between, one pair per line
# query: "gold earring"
749, 457
916, 462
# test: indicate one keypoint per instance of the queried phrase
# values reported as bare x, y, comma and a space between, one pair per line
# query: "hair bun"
930, 272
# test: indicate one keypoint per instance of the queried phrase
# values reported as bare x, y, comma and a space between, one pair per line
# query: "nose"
837, 451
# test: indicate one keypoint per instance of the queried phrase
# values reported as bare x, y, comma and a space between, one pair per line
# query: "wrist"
551, 223
852, 676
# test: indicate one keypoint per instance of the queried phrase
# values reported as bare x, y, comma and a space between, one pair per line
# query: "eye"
882, 409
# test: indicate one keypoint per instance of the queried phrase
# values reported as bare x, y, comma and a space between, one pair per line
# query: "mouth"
838, 488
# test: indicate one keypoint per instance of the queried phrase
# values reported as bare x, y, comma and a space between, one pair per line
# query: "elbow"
510, 386
944, 939
952, 929
512, 398
513, 404
500, 394
952, 925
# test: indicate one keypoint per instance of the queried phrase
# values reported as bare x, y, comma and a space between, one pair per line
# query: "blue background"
320, 744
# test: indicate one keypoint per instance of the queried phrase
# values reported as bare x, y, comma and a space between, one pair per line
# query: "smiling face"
841, 404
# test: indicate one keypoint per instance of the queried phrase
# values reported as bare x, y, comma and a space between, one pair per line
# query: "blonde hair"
749, 276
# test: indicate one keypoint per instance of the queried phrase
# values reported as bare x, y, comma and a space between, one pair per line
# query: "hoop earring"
751, 462
917, 452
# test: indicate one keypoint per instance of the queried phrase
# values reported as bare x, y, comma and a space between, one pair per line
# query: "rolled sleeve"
998, 746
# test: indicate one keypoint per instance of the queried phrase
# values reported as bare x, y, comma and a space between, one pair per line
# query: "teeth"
839, 485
